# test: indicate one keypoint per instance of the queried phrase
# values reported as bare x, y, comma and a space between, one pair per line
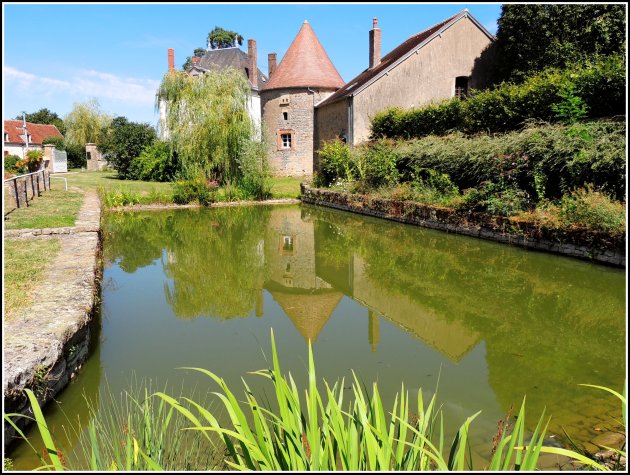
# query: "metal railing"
18, 186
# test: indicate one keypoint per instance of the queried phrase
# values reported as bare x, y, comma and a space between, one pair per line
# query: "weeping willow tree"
206, 119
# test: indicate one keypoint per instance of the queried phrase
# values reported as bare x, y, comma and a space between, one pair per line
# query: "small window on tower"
461, 87
285, 115
286, 140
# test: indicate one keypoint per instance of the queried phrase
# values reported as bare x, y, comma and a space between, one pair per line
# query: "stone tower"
304, 77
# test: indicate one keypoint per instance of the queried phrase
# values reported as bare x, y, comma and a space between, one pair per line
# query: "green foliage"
572, 108
545, 161
122, 141
8, 465
376, 164
76, 155
119, 197
32, 161
58, 142
197, 189
220, 38
531, 38
14, 164
44, 116
255, 171
595, 88
85, 123
335, 162
208, 121
157, 162
593, 210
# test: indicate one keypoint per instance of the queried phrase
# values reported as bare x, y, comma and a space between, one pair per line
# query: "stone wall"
426, 76
298, 104
94, 159
331, 122
598, 247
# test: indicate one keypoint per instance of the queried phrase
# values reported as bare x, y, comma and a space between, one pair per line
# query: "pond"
393, 302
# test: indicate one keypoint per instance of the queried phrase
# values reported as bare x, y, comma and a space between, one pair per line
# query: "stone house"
441, 62
224, 58
20, 136
304, 77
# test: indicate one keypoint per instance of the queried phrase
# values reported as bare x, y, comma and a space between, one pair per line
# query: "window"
286, 140
287, 244
88, 155
285, 115
461, 87
287, 247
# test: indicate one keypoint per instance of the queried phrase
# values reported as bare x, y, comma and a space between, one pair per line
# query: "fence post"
48, 179
25, 193
32, 186
17, 196
39, 192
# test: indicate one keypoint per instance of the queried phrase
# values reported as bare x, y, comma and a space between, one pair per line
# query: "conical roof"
305, 64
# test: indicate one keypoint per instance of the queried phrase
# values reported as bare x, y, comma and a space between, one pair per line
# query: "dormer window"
6, 137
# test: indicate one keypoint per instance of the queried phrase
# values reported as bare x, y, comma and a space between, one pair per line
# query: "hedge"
601, 86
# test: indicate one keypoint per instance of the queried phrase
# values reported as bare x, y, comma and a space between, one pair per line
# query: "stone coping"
46, 343
593, 246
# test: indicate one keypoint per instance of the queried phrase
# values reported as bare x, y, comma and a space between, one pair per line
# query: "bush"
592, 209
119, 197
597, 87
335, 161
544, 160
76, 156
58, 142
12, 165
157, 162
255, 172
197, 189
32, 162
376, 164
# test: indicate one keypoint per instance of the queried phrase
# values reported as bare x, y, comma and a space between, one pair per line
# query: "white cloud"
82, 85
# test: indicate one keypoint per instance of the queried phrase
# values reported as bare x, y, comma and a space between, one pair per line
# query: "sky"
55, 55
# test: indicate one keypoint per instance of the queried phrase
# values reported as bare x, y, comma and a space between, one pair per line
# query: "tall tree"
207, 120
85, 123
44, 116
533, 37
220, 38
122, 141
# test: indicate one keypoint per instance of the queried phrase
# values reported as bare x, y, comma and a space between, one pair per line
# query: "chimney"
253, 63
171, 59
271, 61
375, 44
195, 60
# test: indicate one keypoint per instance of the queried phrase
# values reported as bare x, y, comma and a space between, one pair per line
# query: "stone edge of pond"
223, 204
47, 343
597, 247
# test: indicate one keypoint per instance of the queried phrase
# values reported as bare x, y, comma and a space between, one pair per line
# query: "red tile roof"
305, 64
390, 59
38, 132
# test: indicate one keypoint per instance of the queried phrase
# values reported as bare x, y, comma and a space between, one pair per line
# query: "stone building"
441, 62
304, 77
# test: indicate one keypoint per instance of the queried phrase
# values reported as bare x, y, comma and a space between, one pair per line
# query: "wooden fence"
22, 188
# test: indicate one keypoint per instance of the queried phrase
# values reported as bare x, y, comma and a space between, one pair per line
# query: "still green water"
393, 302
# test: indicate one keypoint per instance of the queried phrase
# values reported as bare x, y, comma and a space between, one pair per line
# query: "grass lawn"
56, 208
23, 272
283, 187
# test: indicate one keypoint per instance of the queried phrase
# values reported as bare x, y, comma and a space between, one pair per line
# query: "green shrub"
197, 189
376, 164
597, 88
58, 142
157, 162
255, 171
335, 161
76, 156
119, 197
593, 210
12, 164
506, 201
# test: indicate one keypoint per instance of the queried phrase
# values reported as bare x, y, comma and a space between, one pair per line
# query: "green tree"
123, 141
534, 37
44, 116
220, 38
207, 120
85, 123
58, 142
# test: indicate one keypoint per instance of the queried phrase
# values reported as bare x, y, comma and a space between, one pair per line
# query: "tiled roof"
305, 64
38, 132
227, 58
390, 59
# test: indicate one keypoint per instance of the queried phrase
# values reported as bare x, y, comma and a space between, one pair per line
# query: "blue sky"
57, 54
